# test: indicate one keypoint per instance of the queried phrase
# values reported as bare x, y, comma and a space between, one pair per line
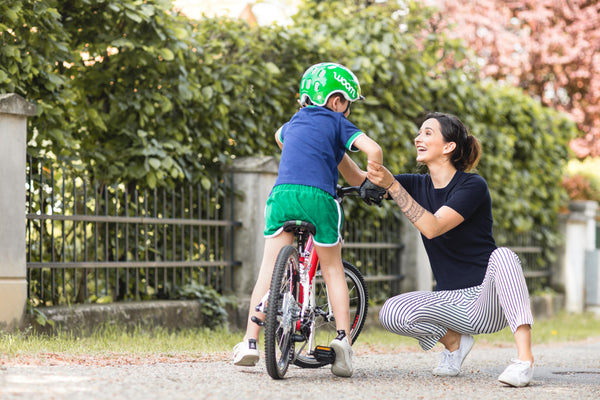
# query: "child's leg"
332, 269
263, 282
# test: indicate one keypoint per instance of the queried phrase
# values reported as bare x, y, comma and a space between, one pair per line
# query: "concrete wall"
14, 111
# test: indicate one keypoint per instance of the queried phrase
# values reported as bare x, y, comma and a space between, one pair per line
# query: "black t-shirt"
459, 257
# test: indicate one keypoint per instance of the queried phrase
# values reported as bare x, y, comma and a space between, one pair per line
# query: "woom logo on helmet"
346, 84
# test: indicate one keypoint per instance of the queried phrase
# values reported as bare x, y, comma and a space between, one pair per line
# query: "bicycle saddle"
298, 226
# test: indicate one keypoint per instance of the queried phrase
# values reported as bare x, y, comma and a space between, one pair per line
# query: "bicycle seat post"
301, 236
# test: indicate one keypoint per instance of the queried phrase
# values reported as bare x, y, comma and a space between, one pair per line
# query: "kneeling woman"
480, 288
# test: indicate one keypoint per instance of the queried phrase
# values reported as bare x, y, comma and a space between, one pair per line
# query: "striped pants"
502, 299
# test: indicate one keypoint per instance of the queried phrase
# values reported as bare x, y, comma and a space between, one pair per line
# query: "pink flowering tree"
550, 48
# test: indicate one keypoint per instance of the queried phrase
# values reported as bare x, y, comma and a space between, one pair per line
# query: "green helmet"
322, 80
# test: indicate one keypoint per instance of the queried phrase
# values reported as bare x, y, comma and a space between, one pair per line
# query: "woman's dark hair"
468, 150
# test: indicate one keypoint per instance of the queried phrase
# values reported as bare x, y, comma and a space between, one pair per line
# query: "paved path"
563, 371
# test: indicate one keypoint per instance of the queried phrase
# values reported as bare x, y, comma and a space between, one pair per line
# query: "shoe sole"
443, 374
512, 384
340, 367
249, 360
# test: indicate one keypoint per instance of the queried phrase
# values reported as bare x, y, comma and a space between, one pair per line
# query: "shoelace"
447, 360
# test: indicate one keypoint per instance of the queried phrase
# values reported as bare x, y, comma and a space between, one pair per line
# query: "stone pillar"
253, 179
580, 239
415, 263
14, 111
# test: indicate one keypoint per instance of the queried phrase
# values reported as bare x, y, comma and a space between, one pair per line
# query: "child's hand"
371, 193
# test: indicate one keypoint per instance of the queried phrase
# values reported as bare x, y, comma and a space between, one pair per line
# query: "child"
313, 143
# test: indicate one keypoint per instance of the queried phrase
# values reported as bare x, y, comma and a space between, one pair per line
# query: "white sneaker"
342, 366
245, 353
517, 374
450, 362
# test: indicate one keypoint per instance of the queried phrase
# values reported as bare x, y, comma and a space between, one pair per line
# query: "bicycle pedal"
257, 321
324, 354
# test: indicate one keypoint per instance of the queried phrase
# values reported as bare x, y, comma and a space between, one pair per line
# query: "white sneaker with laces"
517, 374
245, 353
342, 366
450, 362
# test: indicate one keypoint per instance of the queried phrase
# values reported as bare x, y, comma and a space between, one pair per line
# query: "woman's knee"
506, 259
393, 315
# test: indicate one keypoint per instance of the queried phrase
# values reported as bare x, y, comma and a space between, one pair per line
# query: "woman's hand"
379, 175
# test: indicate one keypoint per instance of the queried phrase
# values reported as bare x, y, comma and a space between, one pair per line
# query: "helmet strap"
347, 107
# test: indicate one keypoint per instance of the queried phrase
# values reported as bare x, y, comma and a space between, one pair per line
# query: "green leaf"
167, 54
154, 163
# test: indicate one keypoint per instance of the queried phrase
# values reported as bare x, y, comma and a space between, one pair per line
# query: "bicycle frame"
308, 264
307, 270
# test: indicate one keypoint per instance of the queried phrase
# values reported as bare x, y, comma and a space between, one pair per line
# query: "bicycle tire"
324, 327
282, 313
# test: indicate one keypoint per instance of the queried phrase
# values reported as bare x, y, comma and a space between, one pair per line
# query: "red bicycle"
298, 312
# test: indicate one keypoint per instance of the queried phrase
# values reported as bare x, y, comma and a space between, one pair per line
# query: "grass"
111, 340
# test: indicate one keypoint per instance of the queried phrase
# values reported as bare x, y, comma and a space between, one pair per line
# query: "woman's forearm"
411, 209
429, 224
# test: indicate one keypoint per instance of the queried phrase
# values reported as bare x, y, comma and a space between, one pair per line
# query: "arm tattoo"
407, 204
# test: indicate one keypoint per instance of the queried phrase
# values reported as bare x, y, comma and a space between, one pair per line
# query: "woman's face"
429, 142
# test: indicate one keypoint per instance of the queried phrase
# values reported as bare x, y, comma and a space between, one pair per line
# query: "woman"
479, 288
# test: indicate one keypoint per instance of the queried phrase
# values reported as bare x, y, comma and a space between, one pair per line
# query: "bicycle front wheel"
282, 313
324, 323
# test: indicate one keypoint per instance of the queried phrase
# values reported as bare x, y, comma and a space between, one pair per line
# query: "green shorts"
306, 203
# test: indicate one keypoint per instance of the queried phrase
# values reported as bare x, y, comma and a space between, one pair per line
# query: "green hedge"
170, 99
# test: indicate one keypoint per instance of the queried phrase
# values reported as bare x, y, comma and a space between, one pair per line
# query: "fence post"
580, 239
14, 111
415, 262
253, 179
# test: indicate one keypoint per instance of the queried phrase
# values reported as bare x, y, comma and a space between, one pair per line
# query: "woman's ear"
449, 147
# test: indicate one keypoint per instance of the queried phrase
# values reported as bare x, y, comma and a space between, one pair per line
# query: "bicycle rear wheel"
325, 331
282, 313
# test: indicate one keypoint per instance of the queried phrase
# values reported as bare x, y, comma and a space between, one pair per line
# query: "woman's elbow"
431, 233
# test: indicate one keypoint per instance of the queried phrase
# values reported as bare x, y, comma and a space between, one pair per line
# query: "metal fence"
375, 247
87, 241
536, 268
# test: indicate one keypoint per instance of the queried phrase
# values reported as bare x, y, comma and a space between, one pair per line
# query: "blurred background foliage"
131, 91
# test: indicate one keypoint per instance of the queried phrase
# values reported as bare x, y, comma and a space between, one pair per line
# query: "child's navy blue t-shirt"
314, 141
458, 258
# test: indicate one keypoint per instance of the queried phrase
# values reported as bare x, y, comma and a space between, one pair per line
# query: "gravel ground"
563, 371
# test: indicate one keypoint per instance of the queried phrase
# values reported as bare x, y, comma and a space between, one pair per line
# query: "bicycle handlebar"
343, 191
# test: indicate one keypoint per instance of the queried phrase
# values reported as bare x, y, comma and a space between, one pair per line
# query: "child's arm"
348, 168
351, 172
370, 148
